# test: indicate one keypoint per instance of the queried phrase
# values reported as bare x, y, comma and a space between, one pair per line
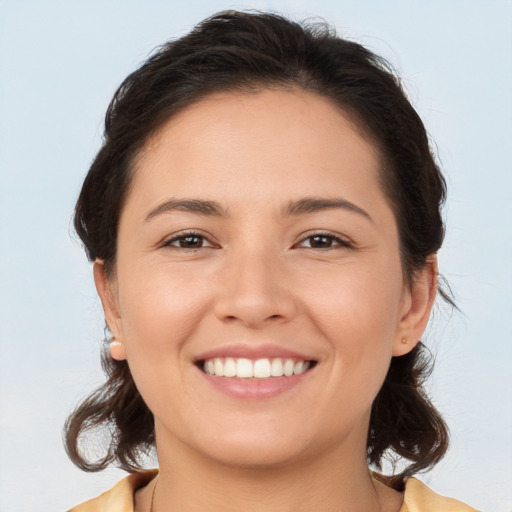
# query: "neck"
334, 482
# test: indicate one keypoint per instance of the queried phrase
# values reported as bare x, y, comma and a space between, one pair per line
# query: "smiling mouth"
264, 368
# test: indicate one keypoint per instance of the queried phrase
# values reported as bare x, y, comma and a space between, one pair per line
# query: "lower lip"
255, 389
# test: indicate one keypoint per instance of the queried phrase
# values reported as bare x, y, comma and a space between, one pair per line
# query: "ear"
418, 304
108, 295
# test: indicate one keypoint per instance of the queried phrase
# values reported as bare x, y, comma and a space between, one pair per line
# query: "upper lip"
253, 351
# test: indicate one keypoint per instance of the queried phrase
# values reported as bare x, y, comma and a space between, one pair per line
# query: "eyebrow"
198, 206
294, 208
316, 204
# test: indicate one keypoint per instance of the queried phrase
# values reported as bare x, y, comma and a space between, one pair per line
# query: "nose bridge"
255, 286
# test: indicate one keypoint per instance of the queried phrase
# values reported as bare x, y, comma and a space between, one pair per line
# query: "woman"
263, 218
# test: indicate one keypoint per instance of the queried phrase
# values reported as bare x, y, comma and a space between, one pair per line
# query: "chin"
255, 447
252, 456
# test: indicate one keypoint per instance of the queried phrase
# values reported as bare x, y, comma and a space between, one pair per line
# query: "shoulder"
419, 498
120, 497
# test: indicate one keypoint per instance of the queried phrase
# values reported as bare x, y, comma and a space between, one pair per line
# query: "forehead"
268, 109
242, 139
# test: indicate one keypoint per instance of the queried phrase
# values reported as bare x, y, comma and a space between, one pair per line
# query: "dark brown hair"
234, 51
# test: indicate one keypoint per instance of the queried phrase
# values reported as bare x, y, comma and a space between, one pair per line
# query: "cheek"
160, 312
359, 305
358, 312
160, 309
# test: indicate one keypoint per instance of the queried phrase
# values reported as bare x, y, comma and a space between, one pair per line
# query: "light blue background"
60, 62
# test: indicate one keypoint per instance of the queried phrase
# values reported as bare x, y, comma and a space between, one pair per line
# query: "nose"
255, 290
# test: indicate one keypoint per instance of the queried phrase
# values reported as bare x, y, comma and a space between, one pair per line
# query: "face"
258, 290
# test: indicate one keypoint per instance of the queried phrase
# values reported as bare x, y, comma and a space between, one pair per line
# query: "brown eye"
324, 241
320, 241
188, 241
191, 242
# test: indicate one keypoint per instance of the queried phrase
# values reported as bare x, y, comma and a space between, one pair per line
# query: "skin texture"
256, 277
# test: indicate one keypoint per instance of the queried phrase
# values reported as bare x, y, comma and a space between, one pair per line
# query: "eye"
189, 240
323, 241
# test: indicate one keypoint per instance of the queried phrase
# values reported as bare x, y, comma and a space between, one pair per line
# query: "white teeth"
218, 366
299, 367
244, 368
229, 367
288, 367
276, 368
264, 368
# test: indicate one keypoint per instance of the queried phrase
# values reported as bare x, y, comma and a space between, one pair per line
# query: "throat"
264, 489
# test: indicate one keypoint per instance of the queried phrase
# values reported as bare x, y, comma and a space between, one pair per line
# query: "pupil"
191, 241
321, 241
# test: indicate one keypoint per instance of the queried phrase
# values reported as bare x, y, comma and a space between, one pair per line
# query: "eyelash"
336, 240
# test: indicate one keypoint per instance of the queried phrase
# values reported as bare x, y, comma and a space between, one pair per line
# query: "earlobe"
117, 350
106, 292
418, 307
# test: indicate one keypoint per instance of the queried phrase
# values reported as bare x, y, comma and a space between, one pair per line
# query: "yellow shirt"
418, 497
